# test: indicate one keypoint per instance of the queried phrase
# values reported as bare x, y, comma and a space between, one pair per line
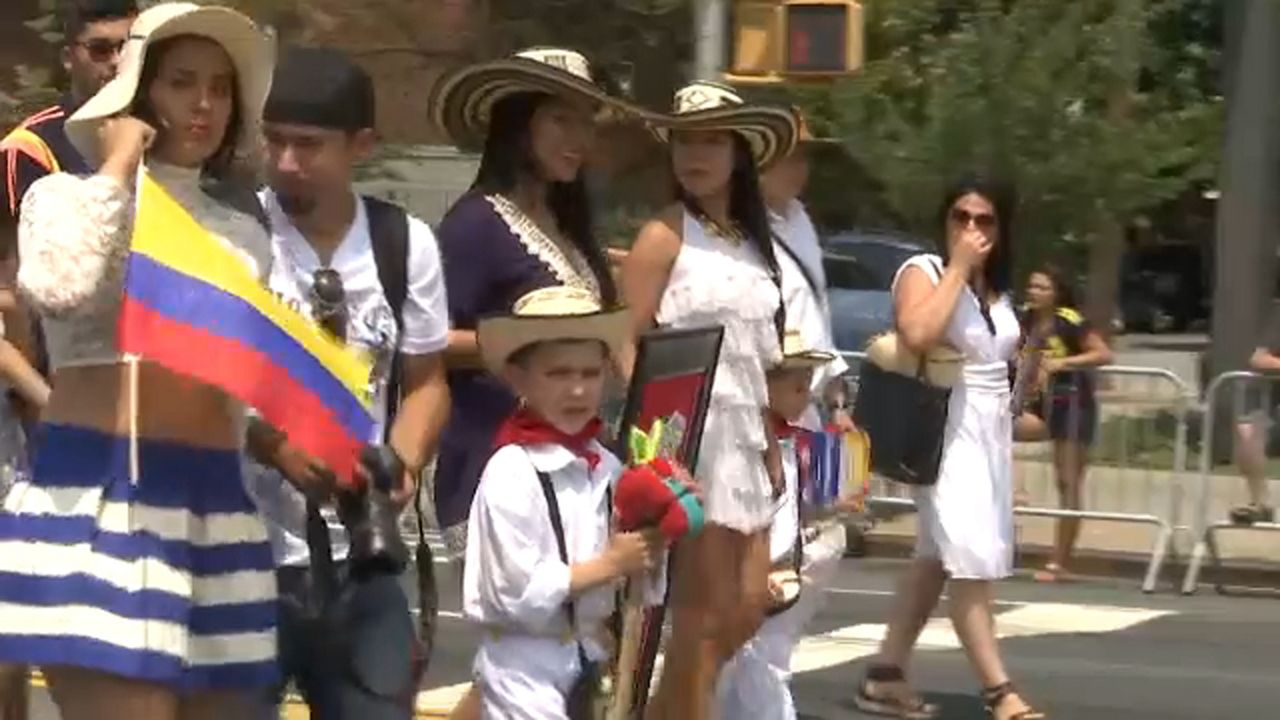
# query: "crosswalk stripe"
847, 644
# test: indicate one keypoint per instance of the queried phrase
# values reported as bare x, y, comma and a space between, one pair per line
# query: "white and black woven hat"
462, 101
702, 105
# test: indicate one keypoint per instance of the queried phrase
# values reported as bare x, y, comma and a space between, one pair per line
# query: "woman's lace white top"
717, 282
73, 240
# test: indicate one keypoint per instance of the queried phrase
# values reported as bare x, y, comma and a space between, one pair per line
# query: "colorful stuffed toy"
648, 494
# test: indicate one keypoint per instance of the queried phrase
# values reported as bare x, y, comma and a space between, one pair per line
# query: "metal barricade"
1247, 406
1137, 460
1136, 455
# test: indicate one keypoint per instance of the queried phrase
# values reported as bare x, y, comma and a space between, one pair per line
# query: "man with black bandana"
318, 124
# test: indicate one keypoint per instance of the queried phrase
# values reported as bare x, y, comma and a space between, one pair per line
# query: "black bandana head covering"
320, 87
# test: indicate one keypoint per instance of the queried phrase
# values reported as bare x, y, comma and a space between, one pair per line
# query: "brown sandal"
993, 697
906, 706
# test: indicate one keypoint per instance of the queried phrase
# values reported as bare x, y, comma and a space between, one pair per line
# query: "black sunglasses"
101, 49
983, 221
327, 289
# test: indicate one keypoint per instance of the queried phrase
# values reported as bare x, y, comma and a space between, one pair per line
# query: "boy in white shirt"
540, 578
755, 683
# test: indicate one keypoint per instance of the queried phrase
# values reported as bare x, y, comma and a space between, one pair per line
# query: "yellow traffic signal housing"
777, 40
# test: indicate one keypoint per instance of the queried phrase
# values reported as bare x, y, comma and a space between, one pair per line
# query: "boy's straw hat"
551, 313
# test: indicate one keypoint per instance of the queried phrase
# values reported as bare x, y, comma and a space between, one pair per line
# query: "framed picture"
671, 382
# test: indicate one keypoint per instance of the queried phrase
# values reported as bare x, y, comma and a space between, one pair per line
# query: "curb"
292, 708
1101, 563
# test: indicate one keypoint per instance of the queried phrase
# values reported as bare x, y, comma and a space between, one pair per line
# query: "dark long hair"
508, 154
1064, 290
997, 271
747, 210
219, 165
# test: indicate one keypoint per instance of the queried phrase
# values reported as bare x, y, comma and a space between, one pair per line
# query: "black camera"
372, 519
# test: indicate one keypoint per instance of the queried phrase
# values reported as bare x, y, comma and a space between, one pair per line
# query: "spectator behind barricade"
1060, 347
804, 284
370, 273
542, 567
1256, 434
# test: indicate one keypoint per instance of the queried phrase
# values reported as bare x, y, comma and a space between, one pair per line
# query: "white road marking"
854, 642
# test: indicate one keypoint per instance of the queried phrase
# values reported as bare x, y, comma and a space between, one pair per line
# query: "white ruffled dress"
718, 282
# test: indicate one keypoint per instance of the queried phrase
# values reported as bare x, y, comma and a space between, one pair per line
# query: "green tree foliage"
1096, 109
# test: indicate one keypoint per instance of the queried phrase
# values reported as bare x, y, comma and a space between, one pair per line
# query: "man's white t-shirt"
796, 230
370, 325
806, 312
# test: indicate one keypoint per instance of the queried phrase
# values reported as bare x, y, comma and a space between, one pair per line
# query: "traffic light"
778, 40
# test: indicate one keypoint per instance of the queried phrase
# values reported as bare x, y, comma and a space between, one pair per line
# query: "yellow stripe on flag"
166, 233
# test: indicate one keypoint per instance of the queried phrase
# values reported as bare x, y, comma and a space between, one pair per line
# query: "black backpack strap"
804, 271
557, 525
389, 234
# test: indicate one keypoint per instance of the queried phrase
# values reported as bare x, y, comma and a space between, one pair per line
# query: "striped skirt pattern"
167, 580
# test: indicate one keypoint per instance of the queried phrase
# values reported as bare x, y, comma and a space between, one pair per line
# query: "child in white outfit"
756, 682
539, 578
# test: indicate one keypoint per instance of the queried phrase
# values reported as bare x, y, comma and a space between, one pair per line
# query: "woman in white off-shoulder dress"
708, 260
965, 538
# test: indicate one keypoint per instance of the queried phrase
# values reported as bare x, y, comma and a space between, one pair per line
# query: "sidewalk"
1123, 549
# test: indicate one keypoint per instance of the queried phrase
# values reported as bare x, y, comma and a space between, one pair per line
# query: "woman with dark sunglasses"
965, 538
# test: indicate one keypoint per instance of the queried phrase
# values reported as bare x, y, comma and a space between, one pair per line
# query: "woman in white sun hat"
708, 260
133, 567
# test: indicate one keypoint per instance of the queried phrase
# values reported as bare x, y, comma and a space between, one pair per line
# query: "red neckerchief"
525, 427
781, 428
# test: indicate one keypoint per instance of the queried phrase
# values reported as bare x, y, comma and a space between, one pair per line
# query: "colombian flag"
193, 306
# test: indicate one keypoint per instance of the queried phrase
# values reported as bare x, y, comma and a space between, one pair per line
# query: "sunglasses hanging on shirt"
329, 301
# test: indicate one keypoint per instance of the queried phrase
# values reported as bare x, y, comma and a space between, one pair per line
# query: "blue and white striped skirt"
168, 580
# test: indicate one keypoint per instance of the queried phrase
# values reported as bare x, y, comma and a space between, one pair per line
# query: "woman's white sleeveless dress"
966, 519
717, 282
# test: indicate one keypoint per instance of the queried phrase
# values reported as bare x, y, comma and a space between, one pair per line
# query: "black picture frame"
667, 360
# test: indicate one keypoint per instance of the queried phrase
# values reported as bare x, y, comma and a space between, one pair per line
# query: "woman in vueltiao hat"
136, 570
708, 260
525, 224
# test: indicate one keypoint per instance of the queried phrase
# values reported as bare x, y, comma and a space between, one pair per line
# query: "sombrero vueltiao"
770, 131
463, 100
251, 50
796, 355
547, 314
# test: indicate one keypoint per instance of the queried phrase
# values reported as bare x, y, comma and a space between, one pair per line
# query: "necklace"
732, 235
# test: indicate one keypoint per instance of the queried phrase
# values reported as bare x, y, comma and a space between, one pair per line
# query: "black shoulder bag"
905, 418
584, 699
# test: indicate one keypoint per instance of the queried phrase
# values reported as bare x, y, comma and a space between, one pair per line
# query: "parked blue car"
860, 266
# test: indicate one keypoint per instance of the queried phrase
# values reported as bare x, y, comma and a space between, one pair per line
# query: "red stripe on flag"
246, 374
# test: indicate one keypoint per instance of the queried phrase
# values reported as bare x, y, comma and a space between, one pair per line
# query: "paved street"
1086, 651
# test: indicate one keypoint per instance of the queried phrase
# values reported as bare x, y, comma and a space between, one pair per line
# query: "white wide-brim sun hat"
550, 314
252, 53
770, 131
